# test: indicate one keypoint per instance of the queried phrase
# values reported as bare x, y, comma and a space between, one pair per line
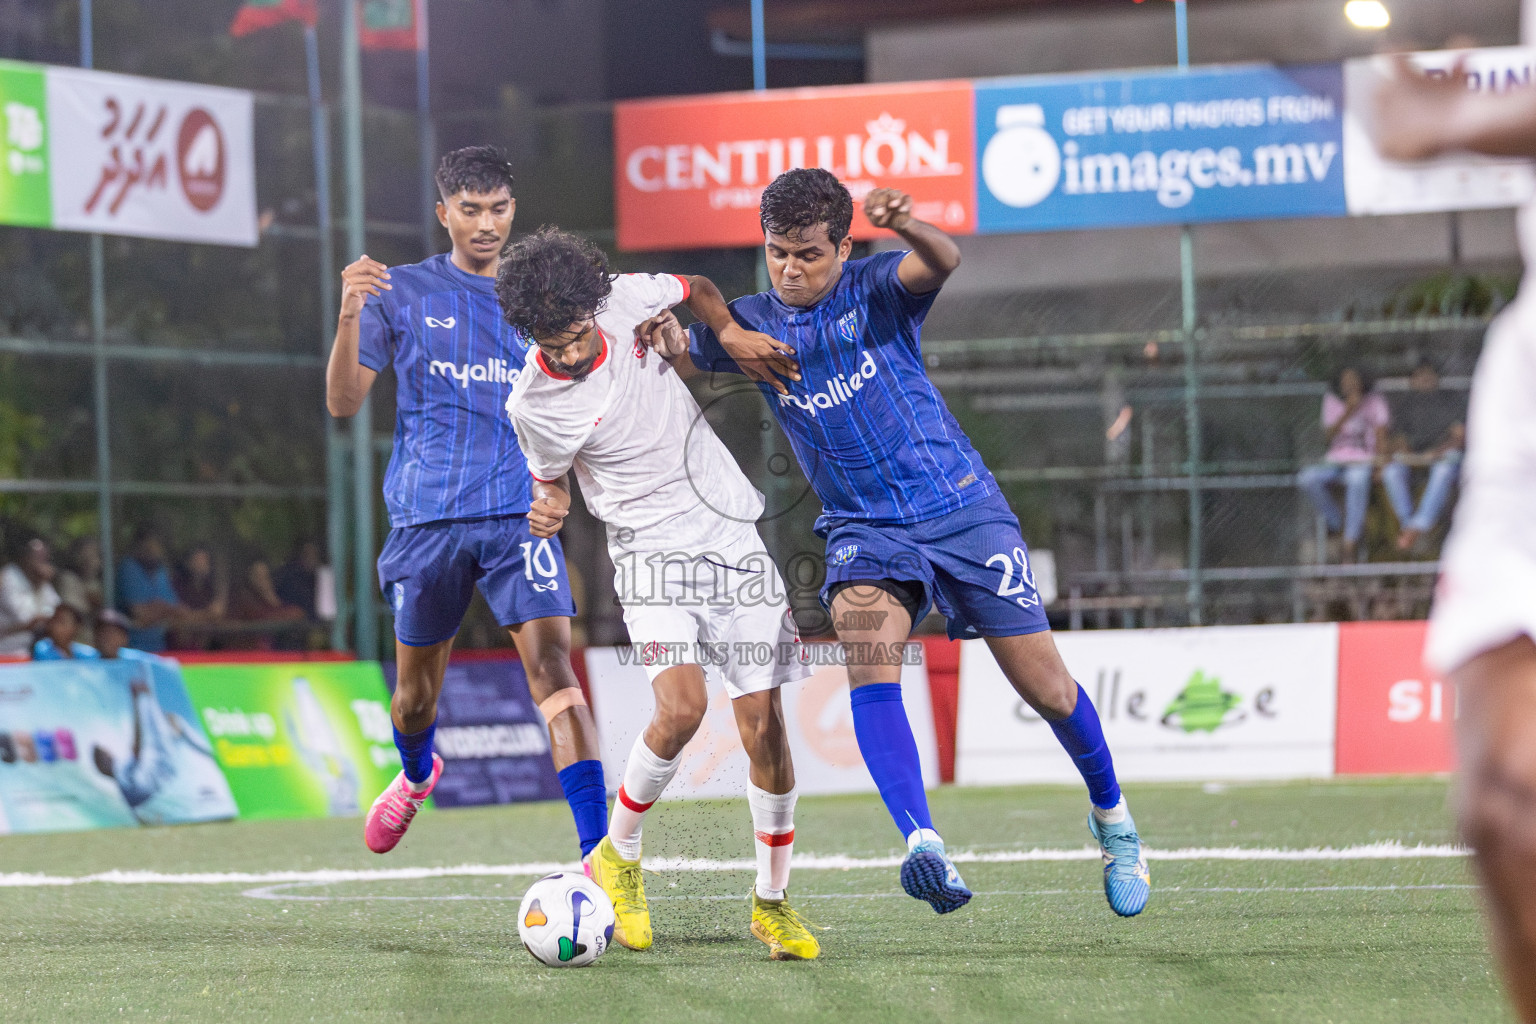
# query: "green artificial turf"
1396, 940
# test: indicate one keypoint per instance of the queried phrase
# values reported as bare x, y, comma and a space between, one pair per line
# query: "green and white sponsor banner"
1220, 702
300, 740
124, 155
24, 196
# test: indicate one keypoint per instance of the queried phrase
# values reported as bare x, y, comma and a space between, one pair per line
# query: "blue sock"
583, 785
416, 752
1083, 738
890, 753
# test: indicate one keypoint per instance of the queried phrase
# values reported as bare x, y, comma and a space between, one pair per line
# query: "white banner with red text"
816, 713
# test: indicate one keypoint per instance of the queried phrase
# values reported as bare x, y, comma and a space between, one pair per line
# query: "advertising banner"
24, 198
492, 738
140, 156
1459, 182
1220, 702
1213, 144
301, 740
689, 172
816, 712
1395, 715
95, 743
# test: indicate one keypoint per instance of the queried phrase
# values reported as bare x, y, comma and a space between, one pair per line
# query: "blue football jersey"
871, 431
456, 454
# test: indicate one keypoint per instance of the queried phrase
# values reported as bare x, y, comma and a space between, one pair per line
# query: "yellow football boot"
620, 879
778, 926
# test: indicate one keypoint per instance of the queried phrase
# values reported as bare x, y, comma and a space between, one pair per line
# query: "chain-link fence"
1081, 399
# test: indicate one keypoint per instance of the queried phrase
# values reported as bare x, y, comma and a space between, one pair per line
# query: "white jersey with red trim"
1486, 596
649, 464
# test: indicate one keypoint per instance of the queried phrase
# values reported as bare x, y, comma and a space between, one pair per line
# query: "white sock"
1111, 815
773, 821
923, 835
645, 776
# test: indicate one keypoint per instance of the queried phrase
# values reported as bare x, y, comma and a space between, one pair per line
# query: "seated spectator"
205, 595
60, 643
256, 600
112, 629
79, 584
27, 596
1431, 431
196, 584
297, 579
145, 594
1355, 419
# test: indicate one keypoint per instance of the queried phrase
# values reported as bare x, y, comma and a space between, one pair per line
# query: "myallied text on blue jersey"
870, 429
455, 454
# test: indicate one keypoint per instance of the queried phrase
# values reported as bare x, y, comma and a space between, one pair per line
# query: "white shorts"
1486, 596
719, 604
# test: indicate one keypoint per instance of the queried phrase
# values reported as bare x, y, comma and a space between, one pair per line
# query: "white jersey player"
1483, 627
697, 586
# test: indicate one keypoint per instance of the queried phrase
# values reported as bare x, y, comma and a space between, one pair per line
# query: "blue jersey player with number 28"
457, 490
910, 514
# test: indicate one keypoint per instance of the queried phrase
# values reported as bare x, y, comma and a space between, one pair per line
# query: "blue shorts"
972, 563
427, 573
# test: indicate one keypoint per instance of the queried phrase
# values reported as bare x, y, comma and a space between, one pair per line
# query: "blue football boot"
1127, 882
928, 874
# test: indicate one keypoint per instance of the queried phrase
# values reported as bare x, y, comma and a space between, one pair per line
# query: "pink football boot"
392, 812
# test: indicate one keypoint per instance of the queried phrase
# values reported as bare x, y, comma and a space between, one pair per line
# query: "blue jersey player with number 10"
910, 515
457, 489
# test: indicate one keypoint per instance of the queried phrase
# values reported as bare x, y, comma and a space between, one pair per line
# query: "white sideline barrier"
1220, 702
816, 712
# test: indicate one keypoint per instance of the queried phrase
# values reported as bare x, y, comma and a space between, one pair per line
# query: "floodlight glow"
1369, 14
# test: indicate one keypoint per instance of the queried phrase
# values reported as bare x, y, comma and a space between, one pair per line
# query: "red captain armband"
687, 288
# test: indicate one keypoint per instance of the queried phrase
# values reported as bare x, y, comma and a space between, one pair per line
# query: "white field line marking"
807, 862
278, 893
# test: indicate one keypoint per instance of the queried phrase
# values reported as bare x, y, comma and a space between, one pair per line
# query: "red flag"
255, 15
389, 24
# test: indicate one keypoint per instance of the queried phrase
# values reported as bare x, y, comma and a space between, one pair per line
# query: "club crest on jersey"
848, 327
447, 324
836, 391
844, 554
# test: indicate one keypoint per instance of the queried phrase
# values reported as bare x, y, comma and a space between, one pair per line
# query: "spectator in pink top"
1355, 420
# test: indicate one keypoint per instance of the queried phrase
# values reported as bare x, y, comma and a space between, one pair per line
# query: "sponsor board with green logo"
301, 740
1222, 702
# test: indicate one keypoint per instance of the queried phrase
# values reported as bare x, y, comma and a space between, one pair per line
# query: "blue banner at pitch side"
491, 736
1244, 143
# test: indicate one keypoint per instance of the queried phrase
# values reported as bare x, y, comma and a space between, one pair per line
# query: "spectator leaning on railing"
27, 596
1431, 431
204, 590
1355, 419
296, 580
145, 594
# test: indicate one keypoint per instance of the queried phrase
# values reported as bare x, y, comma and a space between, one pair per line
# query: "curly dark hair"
550, 280
478, 170
796, 201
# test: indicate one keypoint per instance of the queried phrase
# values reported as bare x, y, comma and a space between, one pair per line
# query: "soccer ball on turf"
565, 920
